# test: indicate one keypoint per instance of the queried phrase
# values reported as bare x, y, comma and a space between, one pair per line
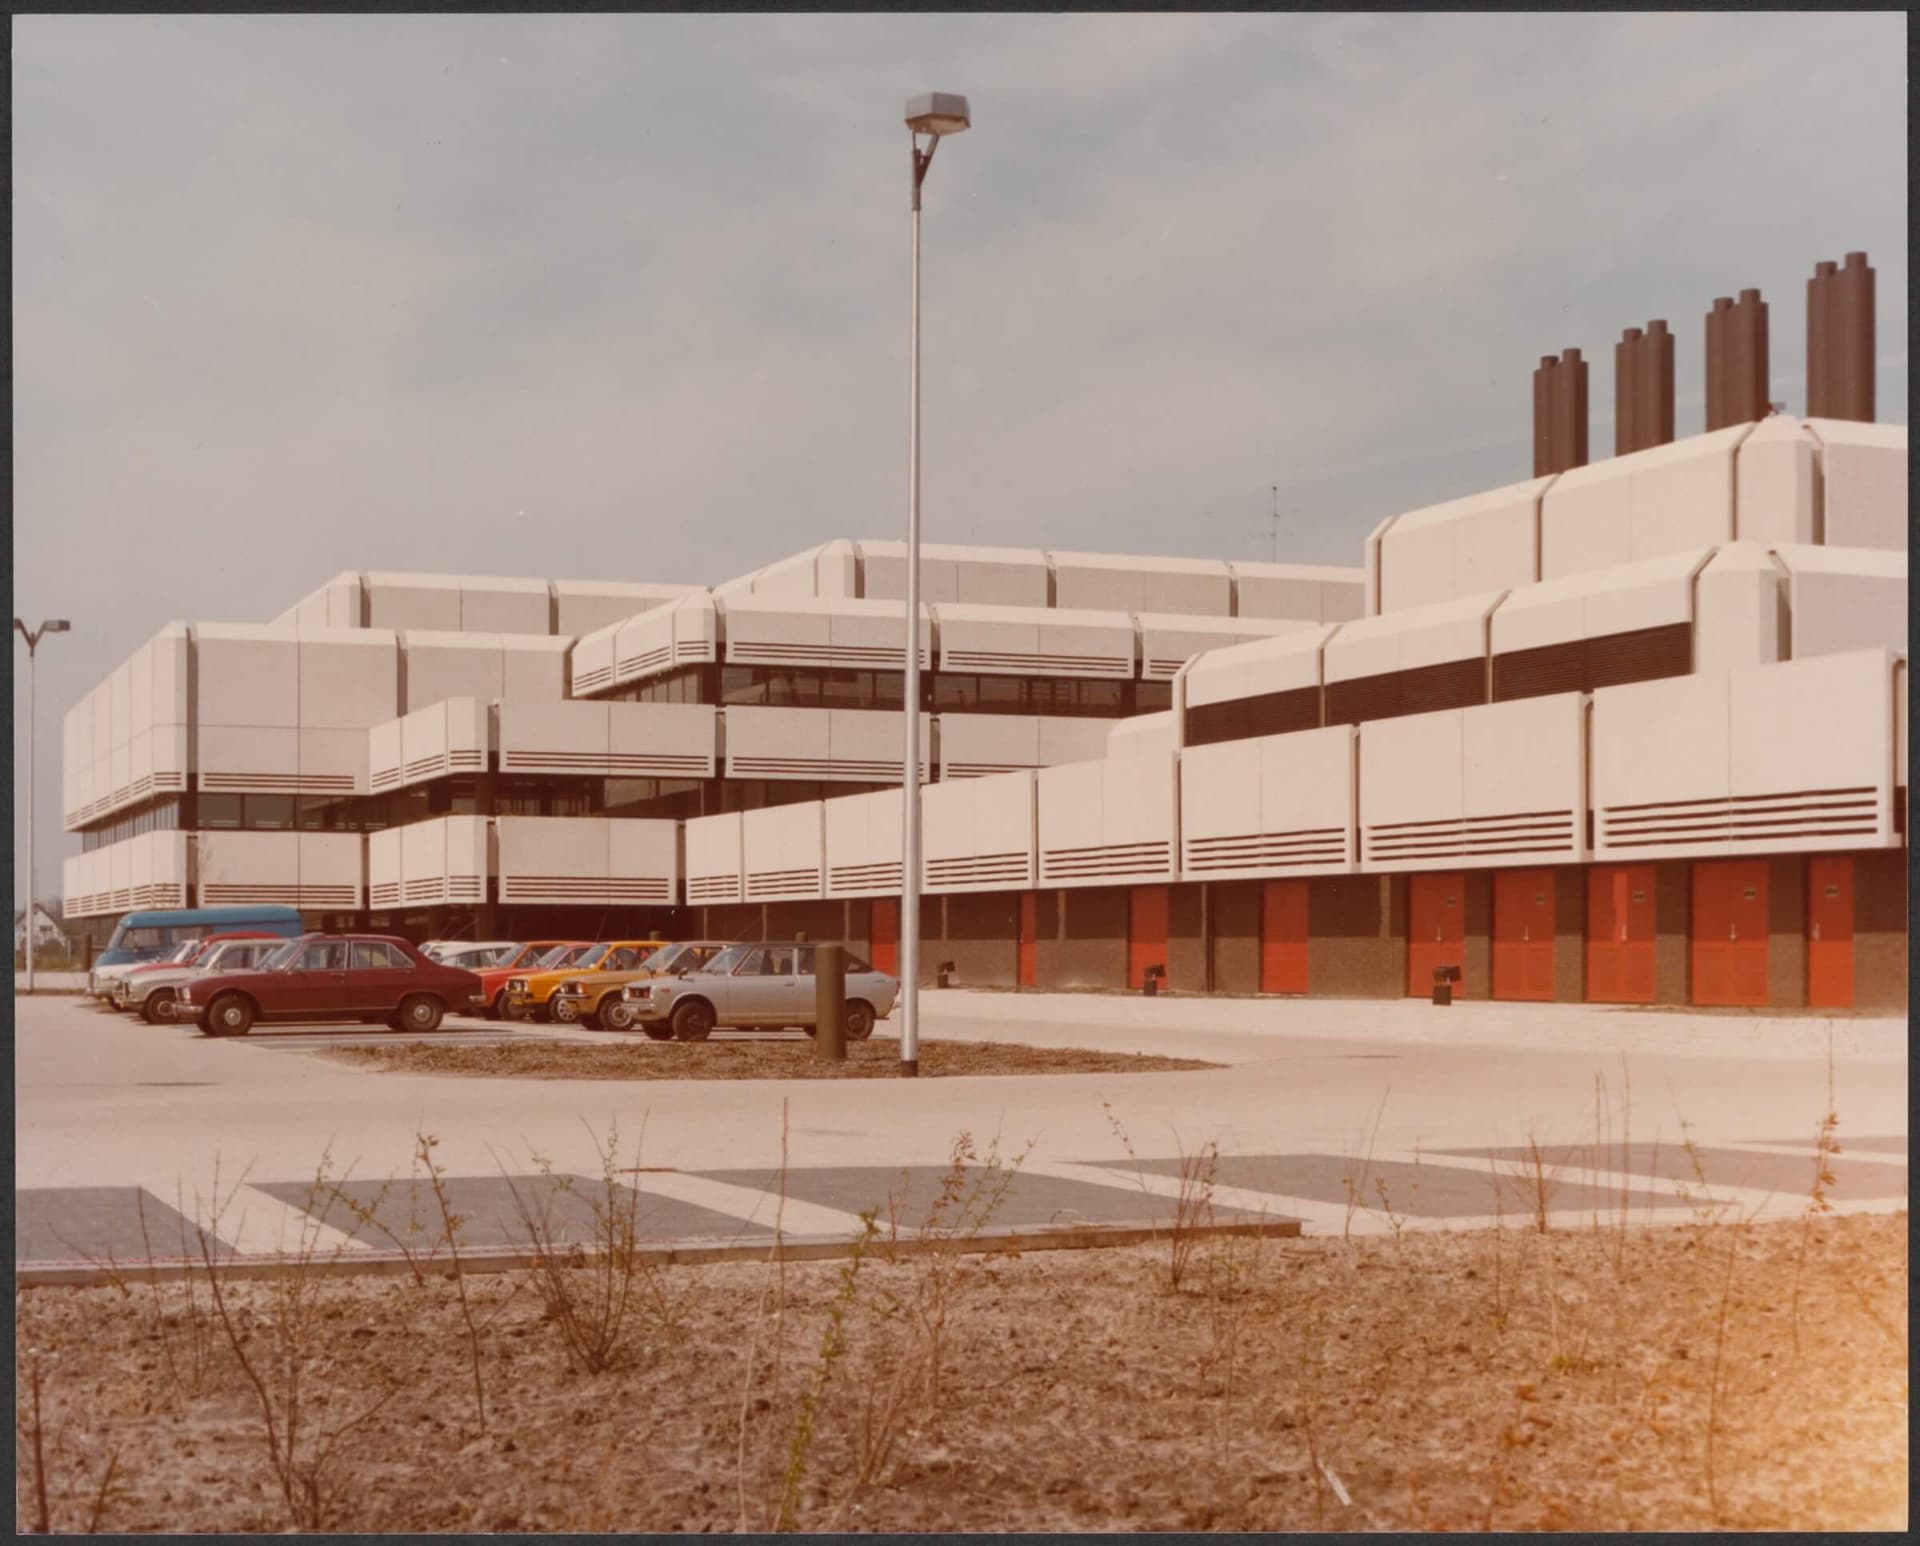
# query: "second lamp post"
936, 114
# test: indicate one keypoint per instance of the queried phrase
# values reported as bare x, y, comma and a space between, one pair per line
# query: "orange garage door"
886, 935
1436, 928
1620, 934
1730, 932
1523, 934
1830, 933
1283, 936
1146, 932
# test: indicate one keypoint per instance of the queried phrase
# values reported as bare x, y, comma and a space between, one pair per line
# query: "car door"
374, 983
313, 988
766, 989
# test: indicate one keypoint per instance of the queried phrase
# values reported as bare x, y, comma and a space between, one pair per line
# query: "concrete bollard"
830, 1003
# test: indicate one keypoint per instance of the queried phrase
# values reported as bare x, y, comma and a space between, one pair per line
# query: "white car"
158, 990
468, 955
755, 986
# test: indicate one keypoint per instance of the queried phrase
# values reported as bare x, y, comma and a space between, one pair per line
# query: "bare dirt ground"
743, 1060
1711, 1375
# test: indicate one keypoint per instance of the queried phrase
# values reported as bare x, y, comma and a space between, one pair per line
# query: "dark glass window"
269, 812
1151, 697
219, 813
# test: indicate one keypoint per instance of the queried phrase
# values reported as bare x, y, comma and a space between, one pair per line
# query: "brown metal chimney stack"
1738, 391
1559, 413
1840, 343
1643, 388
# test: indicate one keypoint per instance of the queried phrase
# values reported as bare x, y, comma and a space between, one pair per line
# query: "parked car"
142, 937
528, 994
123, 988
151, 992
538, 954
594, 1000
471, 957
333, 977
755, 986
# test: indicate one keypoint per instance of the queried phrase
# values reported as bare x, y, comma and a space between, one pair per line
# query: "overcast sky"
627, 296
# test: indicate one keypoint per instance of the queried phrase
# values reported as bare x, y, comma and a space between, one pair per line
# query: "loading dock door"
1730, 932
1029, 964
1620, 934
1523, 934
1436, 928
1830, 933
1146, 932
886, 935
1283, 936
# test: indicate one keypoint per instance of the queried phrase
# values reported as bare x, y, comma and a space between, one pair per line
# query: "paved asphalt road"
116, 1120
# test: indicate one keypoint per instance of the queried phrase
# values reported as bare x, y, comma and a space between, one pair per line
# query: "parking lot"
1345, 1116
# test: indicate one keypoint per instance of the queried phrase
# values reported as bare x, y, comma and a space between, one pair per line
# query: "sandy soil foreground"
1681, 1378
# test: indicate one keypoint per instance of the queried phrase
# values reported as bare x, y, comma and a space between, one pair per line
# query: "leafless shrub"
79, 1503
593, 1291
1354, 1179
1826, 1145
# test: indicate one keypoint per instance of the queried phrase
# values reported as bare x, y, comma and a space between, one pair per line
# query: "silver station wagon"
755, 987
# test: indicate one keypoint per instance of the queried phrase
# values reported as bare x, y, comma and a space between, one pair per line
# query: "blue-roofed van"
149, 936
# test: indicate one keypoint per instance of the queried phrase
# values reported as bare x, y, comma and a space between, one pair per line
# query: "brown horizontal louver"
1238, 719
1539, 673
1453, 684
1644, 655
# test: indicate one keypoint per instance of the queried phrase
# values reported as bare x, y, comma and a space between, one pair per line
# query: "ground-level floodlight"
934, 114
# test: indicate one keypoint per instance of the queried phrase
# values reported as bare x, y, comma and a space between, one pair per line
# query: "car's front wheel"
616, 1015
693, 1021
228, 1015
859, 1020
419, 1013
158, 1007
565, 1011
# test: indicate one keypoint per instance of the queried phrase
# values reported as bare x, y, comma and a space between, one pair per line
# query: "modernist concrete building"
1632, 732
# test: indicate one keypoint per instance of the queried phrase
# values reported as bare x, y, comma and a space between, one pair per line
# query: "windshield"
659, 960
728, 960
594, 955
184, 953
282, 956
555, 956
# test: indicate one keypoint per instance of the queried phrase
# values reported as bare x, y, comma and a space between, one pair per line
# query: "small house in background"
48, 935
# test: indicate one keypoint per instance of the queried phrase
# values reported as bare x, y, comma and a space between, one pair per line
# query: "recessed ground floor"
1793, 931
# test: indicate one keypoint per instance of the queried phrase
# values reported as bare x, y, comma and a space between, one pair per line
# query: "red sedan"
336, 977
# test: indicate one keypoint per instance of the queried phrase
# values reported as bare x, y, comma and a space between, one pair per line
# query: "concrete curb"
671, 1253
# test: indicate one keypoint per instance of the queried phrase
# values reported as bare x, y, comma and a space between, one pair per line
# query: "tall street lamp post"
33, 637
935, 114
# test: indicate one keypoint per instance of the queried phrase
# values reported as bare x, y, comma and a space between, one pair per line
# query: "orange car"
527, 994
593, 999
529, 957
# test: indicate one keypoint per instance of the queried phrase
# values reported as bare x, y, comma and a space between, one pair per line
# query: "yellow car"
593, 1000
528, 995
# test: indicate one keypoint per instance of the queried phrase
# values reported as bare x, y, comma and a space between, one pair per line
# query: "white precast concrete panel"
666, 740
309, 870
450, 665
1198, 587
977, 834
1269, 806
533, 666
862, 836
782, 852
587, 606
498, 604
413, 602
640, 647
1168, 643
436, 741
864, 744
1309, 593
1864, 483
1497, 784
852, 745
1014, 577
1408, 639
1650, 594
1740, 609
590, 663
1151, 735
1019, 641
1064, 740
713, 858
555, 859
836, 633
1463, 547
383, 864
1105, 822
1845, 598
246, 675
1281, 664
977, 745
1777, 483
1703, 765
445, 860
643, 861
545, 736
1661, 500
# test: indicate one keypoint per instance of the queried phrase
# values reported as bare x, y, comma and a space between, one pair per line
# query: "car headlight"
637, 990
516, 985
572, 989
